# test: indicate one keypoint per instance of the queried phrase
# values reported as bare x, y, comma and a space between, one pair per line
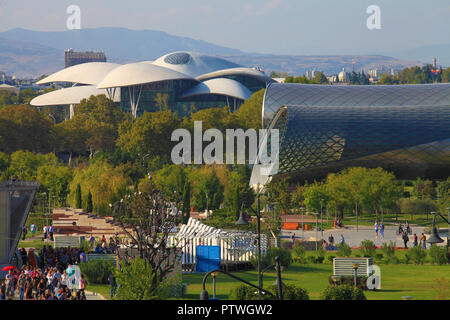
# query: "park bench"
68, 241
290, 226
344, 266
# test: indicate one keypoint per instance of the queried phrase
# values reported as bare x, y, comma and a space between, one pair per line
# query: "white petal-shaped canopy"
68, 96
193, 64
221, 86
140, 73
249, 72
86, 73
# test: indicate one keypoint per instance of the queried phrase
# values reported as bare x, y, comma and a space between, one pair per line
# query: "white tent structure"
235, 247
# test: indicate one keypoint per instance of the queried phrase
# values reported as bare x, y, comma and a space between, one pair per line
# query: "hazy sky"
264, 26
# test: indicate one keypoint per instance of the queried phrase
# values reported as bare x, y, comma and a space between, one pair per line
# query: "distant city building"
342, 76
73, 58
312, 74
332, 78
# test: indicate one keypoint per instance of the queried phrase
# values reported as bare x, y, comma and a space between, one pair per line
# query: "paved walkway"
353, 237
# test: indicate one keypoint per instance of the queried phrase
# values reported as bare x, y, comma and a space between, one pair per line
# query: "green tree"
55, 180
25, 128
89, 207
78, 196
186, 209
280, 194
149, 135
321, 78
249, 114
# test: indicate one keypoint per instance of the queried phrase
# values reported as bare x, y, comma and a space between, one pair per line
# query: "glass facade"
148, 97
404, 129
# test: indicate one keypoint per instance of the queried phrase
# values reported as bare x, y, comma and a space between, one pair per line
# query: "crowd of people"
45, 276
105, 247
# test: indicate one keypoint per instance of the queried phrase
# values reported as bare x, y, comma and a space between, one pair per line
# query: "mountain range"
27, 53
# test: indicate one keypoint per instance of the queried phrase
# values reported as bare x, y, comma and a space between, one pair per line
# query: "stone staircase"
75, 222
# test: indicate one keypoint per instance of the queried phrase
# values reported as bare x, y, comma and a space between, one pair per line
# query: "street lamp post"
303, 221
448, 230
317, 217
242, 221
207, 210
321, 218
355, 269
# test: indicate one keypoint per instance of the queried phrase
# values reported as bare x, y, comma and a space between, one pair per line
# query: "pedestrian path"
354, 237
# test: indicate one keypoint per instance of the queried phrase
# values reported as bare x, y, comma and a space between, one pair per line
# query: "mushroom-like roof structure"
220, 86
193, 64
91, 73
140, 73
69, 96
249, 72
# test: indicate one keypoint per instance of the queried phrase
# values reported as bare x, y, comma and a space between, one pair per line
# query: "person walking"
331, 240
24, 232
92, 241
405, 239
423, 240
9, 283
32, 229
376, 228
45, 233
382, 230
21, 285
82, 287
415, 240
50, 232
342, 239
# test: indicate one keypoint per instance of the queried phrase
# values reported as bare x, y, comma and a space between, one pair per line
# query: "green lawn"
103, 289
36, 244
396, 281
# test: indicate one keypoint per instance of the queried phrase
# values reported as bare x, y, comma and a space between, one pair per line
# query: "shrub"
245, 292
378, 257
97, 271
291, 292
388, 250
438, 254
269, 258
344, 250
298, 253
416, 255
311, 259
343, 292
349, 281
330, 259
368, 248
136, 283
